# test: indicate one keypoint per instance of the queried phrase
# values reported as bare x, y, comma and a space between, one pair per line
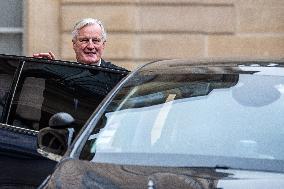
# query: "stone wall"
140, 31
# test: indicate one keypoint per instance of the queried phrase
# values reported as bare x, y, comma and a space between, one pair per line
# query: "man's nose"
91, 44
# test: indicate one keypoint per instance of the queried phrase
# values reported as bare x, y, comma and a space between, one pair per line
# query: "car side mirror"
53, 141
61, 120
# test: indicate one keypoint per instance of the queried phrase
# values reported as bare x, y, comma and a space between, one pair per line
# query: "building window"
11, 27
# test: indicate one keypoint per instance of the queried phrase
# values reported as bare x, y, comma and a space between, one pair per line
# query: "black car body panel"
98, 175
31, 91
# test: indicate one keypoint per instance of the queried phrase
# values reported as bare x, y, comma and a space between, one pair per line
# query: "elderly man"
89, 40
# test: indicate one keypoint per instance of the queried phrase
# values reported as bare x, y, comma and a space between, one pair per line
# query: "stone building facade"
140, 31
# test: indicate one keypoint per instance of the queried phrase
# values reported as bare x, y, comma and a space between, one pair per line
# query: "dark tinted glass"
47, 89
7, 71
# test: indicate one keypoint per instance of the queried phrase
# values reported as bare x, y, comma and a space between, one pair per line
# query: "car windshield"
234, 116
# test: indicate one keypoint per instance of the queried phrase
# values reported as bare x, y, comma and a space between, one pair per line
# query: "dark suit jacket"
110, 65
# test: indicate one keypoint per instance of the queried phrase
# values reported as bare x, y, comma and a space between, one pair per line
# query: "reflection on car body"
184, 124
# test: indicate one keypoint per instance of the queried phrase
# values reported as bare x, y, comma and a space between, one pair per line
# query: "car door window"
45, 89
8, 69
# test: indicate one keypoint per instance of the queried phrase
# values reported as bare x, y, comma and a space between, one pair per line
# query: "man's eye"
84, 40
96, 40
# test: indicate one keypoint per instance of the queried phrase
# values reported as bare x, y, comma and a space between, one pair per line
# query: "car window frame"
13, 85
22, 60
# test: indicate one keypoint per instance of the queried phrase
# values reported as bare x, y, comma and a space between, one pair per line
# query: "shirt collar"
99, 63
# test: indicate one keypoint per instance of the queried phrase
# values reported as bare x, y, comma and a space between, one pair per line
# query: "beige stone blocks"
216, 2
246, 46
208, 19
259, 3
120, 18
155, 18
165, 46
41, 25
143, 32
98, 1
66, 47
153, 1
121, 46
140, 31
129, 64
145, 46
261, 19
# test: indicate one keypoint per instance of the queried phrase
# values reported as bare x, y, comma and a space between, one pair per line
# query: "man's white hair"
88, 21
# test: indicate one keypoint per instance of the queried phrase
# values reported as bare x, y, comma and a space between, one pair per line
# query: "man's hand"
48, 55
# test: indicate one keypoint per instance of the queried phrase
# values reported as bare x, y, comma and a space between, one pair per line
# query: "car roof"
222, 66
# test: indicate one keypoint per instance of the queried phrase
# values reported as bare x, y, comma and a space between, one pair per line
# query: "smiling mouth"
90, 53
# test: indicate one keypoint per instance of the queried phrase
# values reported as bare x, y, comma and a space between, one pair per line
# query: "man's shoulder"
110, 65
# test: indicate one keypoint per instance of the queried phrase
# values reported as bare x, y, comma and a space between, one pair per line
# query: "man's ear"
73, 42
104, 44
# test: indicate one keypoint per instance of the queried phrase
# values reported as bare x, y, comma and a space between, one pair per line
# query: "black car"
180, 124
31, 91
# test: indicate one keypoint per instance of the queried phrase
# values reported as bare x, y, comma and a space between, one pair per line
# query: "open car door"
31, 91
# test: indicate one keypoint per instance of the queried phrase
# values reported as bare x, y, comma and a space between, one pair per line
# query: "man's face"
89, 45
